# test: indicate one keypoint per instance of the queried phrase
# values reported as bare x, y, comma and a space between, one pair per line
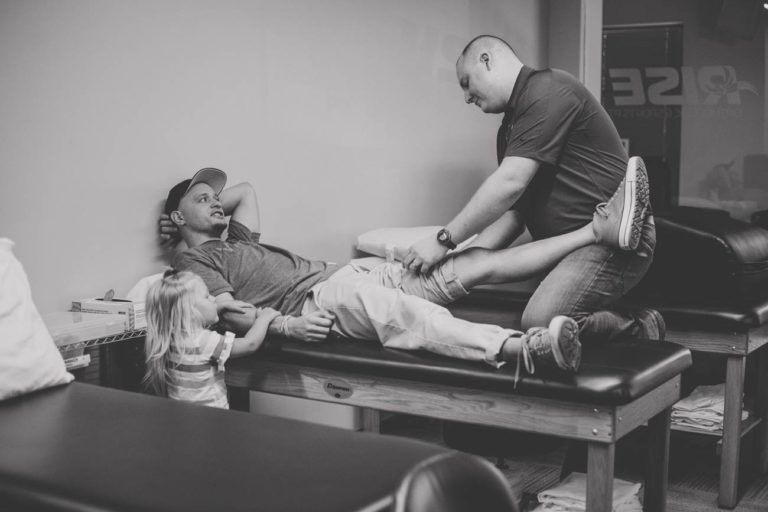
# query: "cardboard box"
134, 311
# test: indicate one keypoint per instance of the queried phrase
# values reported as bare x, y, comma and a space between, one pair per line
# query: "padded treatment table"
620, 387
734, 330
85, 448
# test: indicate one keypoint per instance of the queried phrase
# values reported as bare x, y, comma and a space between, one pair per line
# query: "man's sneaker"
556, 346
619, 222
650, 325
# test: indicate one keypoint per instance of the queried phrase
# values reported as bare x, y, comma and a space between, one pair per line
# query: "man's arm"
496, 195
501, 233
241, 203
313, 326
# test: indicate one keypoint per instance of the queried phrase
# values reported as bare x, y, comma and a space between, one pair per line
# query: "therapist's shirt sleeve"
541, 130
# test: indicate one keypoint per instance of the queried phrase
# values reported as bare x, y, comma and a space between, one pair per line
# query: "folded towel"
570, 495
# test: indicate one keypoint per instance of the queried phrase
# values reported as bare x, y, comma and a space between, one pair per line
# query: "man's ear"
177, 218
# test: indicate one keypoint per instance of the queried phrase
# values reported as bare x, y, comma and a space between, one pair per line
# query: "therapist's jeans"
587, 282
403, 310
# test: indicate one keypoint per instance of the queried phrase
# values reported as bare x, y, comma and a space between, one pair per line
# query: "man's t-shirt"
553, 119
260, 274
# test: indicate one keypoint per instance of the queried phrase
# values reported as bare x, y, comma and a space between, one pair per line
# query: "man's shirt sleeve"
211, 276
238, 232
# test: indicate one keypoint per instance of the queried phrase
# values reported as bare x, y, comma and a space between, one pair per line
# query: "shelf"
125, 335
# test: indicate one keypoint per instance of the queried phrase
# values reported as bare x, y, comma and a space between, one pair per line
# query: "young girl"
185, 360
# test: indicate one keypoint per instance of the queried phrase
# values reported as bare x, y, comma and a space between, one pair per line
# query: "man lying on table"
399, 308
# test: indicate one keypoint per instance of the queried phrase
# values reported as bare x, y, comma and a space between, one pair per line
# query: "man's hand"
424, 255
168, 230
313, 326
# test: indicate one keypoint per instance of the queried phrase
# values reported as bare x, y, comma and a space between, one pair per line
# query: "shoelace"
527, 361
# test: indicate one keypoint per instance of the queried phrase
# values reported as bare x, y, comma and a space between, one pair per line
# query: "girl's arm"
255, 336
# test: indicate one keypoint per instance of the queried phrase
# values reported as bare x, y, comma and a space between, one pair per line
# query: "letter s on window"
669, 80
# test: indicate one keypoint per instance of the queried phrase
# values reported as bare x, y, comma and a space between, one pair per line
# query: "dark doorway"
642, 90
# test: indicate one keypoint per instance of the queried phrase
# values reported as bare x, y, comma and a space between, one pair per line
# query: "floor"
532, 464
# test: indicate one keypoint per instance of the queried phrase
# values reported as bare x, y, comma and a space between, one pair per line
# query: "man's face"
477, 82
202, 210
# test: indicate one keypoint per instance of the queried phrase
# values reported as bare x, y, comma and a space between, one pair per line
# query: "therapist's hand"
424, 255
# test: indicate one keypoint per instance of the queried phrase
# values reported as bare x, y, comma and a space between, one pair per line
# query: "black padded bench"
620, 387
85, 448
736, 330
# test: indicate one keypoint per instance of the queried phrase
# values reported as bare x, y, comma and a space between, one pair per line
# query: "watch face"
442, 235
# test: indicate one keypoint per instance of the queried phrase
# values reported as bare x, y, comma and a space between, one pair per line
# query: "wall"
575, 39
345, 114
728, 130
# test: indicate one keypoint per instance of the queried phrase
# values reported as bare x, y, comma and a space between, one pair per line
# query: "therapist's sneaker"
619, 222
650, 325
556, 346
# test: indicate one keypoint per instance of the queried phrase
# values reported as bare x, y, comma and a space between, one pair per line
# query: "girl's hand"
234, 306
264, 317
311, 327
266, 314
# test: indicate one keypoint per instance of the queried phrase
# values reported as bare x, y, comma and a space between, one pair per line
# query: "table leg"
239, 399
600, 465
657, 463
761, 409
729, 460
371, 420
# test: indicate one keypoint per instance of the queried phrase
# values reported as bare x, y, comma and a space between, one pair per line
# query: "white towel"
703, 409
570, 496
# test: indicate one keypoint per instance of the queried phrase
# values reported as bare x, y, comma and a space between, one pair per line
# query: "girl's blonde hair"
172, 318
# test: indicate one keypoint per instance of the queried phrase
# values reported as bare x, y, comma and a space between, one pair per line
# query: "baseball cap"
215, 178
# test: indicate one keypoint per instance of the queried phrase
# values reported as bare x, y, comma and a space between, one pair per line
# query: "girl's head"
177, 307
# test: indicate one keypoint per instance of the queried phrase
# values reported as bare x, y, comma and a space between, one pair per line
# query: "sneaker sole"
661, 325
636, 191
566, 349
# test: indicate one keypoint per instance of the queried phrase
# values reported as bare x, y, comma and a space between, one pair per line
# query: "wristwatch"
444, 239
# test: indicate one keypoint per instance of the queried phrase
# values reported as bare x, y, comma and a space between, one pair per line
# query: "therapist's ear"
486, 60
177, 217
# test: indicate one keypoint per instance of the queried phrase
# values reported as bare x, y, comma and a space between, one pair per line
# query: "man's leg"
364, 309
369, 311
450, 280
588, 281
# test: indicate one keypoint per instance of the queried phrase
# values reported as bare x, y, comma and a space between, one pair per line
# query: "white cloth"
570, 496
29, 359
703, 409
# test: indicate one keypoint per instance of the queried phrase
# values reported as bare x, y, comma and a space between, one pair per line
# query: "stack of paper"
71, 327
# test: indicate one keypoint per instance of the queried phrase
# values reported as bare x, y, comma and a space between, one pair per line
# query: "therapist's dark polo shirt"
553, 119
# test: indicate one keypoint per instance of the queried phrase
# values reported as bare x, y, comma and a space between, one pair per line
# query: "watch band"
444, 239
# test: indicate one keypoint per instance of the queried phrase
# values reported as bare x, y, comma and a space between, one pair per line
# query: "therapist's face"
202, 210
479, 86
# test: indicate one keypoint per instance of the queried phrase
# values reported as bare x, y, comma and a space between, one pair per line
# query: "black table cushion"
86, 448
614, 373
707, 313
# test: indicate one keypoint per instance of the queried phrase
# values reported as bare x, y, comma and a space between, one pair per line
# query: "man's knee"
473, 266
